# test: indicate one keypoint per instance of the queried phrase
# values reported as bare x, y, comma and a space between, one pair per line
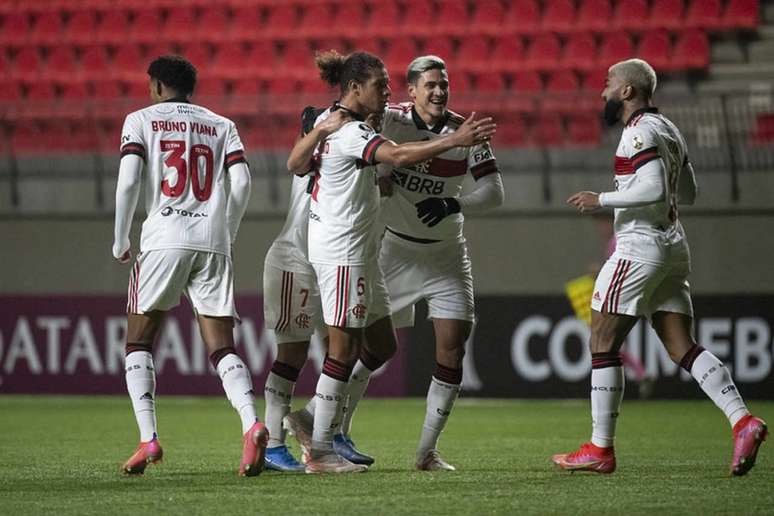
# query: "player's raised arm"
303, 150
471, 132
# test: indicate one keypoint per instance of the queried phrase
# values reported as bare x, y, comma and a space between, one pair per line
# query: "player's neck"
354, 107
631, 107
429, 119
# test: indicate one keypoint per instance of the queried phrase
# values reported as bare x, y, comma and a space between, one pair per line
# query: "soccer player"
647, 274
197, 184
343, 240
423, 253
291, 299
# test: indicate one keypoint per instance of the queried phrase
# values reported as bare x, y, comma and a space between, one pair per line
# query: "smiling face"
430, 94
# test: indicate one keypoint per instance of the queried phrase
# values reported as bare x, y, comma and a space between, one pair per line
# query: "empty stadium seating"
60, 53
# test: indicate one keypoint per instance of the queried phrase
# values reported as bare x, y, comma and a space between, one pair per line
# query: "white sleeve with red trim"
132, 137
489, 194
127, 193
648, 187
235, 151
481, 161
359, 140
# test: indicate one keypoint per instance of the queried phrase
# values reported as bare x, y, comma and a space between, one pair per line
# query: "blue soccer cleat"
280, 459
344, 447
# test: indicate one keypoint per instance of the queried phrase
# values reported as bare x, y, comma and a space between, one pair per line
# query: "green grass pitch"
62, 455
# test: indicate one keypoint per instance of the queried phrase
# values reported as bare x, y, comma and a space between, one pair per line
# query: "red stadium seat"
26, 64
615, 47
584, 130
15, 28
473, 55
246, 87
523, 17
703, 14
511, 131
113, 27
741, 14
508, 54
107, 89
263, 59
399, 54
385, 19
349, 20
562, 81
371, 45
137, 90
548, 129
441, 47
179, 27
198, 54
247, 23
230, 61
421, 13
60, 65
525, 87
75, 90
283, 94
146, 26
452, 18
630, 15
559, 16
488, 19
563, 89
26, 138
47, 28
128, 64
10, 91
594, 15
316, 22
282, 20
594, 81
74, 98
297, 60
41, 91
81, 28
656, 48
543, 53
692, 50
154, 50
579, 52
527, 82
210, 87
213, 25
489, 82
666, 14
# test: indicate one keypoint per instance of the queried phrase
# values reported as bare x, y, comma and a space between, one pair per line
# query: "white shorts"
437, 272
352, 296
160, 277
291, 303
628, 287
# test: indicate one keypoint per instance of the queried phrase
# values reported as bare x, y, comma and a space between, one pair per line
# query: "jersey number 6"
178, 162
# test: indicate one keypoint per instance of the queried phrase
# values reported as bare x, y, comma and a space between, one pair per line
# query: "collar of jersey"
423, 126
356, 116
178, 99
640, 112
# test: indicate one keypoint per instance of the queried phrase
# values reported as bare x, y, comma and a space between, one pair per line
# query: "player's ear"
412, 91
158, 88
627, 93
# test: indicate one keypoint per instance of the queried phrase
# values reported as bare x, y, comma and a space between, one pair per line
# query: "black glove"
433, 210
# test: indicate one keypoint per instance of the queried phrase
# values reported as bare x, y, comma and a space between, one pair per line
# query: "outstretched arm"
127, 193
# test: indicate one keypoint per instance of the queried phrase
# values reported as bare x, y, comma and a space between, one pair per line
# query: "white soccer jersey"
651, 233
187, 151
345, 199
441, 176
289, 250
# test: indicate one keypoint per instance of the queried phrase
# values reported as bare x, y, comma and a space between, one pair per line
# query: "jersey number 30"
178, 162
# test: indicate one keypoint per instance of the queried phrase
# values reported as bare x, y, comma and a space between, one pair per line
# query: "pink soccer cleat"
254, 450
749, 433
148, 452
588, 458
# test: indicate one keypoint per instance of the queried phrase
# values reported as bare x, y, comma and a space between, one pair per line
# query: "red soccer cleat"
588, 458
254, 450
749, 433
149, 452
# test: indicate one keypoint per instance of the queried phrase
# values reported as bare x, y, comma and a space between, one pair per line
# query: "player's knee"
451, 356
602, 340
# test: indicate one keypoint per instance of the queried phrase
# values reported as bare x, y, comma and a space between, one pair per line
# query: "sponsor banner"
534, 347
75, 345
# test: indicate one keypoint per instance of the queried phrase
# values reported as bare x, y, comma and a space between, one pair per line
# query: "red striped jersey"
441, 176
345, 199
643, 232
187, 151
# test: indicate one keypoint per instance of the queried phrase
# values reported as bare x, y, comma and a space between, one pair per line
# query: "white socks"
356, 387
239, 388
278, 393
715, 380
141, 385
607, 390
440, 400
330, 395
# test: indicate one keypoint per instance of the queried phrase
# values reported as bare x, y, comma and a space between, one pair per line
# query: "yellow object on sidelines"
579, 292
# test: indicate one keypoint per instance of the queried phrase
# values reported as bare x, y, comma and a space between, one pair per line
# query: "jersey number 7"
177, 161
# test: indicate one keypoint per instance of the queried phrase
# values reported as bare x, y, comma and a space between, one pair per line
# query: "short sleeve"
358, 140
642, 146
235, 151
132, 141
481, 161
